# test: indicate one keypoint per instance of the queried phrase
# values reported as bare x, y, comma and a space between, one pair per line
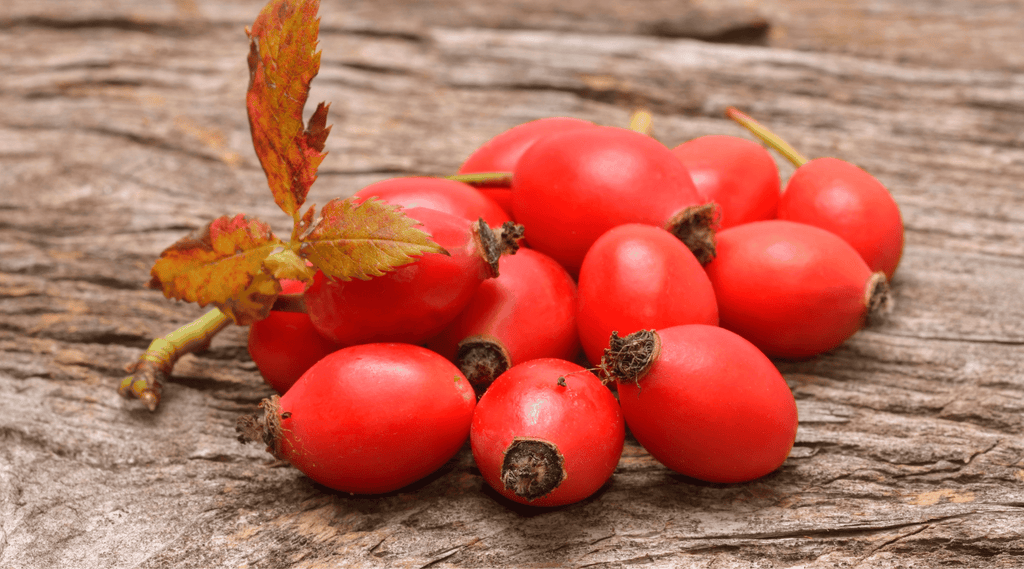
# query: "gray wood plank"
122, 126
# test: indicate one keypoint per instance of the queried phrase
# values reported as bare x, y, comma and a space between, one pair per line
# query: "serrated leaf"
282, 61
221, 264
363, 240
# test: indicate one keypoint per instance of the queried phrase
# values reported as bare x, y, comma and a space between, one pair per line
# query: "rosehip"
368, 419
441, 194
704, 402
528, 312
501, 153
844, 199
738, 174
285, 344
547, 433
793, 290
840, 197
639, 276
415, 301
570, 187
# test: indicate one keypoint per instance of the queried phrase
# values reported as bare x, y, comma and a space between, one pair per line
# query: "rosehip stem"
485, 179
770, 138
156, 363
642, 121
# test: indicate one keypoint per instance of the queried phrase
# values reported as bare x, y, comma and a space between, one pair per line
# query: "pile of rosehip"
649, 288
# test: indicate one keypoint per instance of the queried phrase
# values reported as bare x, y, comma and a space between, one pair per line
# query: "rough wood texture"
122, 126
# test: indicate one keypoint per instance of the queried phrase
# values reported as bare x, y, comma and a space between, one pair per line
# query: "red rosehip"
636, 277
369, 419
844, 199
704, 402
285, 344
501, 153
415, 301
527, 312
547, 433
840, 197
794, 290
738, 174
570, 187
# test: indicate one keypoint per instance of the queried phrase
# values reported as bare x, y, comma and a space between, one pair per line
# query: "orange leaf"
221, 264
282, 62
363, 240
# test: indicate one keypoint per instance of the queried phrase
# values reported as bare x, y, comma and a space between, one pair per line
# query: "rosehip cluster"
651, 289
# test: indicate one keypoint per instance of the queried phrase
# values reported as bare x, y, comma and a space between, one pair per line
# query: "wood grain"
122, 127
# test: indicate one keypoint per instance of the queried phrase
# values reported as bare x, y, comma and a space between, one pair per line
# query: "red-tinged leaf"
363, 240
282, 61
221, 264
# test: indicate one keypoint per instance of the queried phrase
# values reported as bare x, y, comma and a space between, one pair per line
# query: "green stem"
485, 179
157, 362
769, 137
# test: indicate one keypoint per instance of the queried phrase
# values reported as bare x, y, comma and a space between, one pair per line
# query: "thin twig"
154, 366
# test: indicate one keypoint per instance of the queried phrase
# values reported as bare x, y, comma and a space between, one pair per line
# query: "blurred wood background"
123, 127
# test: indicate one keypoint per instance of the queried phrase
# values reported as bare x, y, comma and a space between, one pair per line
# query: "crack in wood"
450, 553
127, 24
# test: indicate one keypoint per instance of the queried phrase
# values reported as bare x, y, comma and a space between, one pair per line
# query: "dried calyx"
263, 426
493, 243
532, 468
695, 226
878, 298
629, 358
482, 359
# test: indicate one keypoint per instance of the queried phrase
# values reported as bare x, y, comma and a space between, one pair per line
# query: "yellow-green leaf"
287, 264
221, 264
254, 303
282, 61
364, 240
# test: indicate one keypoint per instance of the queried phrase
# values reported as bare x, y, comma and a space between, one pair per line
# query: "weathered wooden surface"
122, 126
